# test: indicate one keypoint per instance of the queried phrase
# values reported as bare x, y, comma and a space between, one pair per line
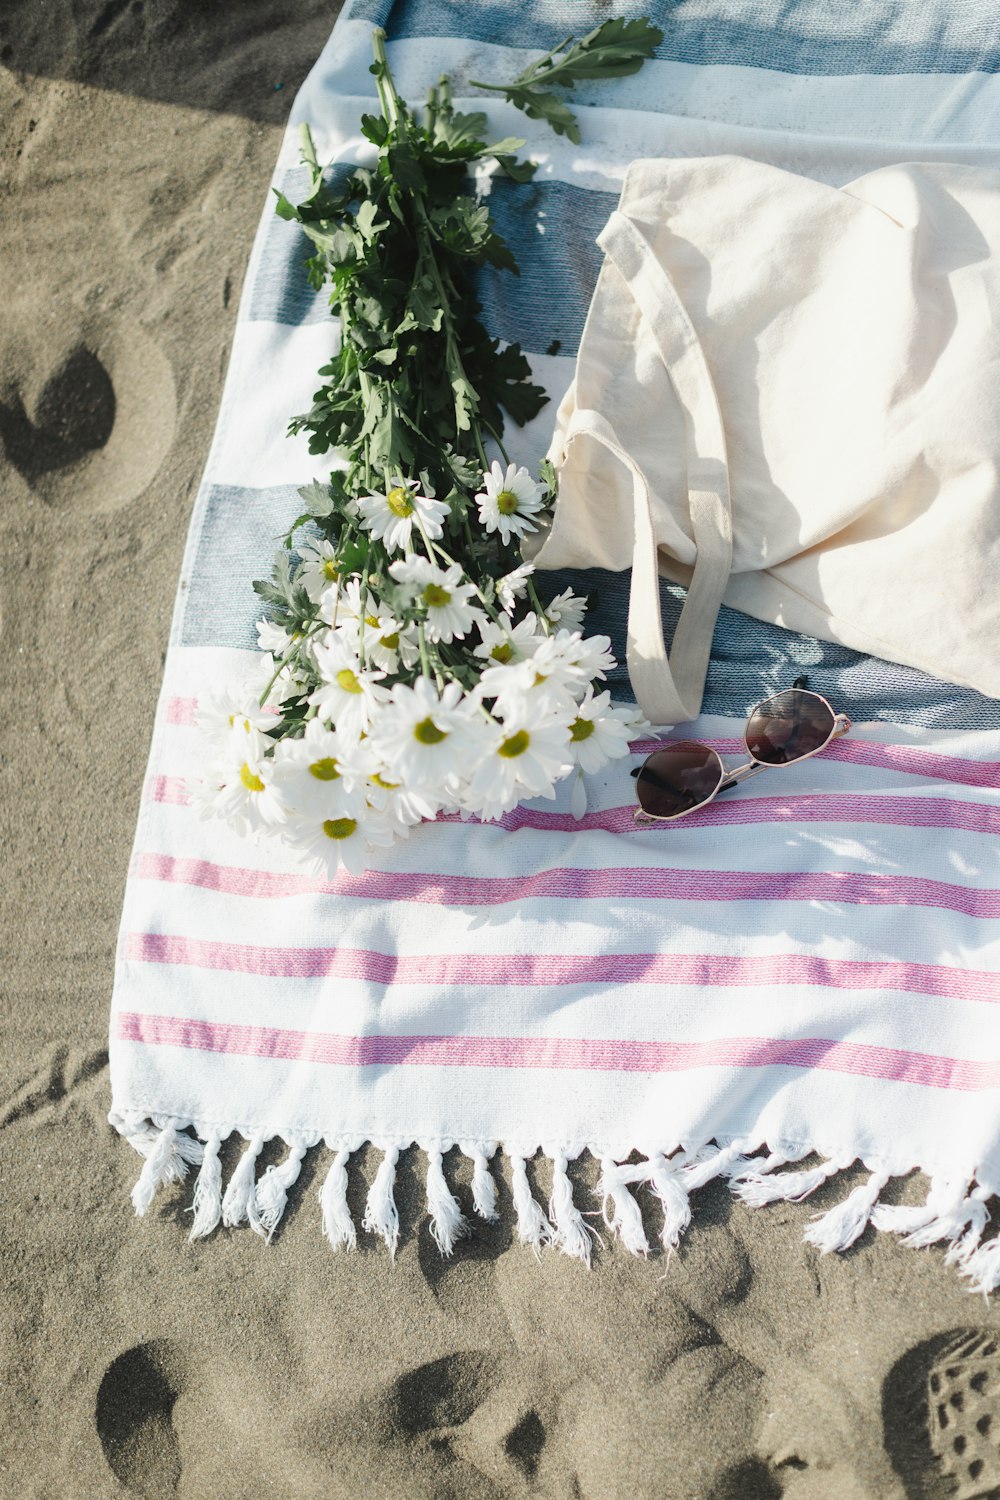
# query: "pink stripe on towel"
858, 889
842, 807
909, 759
691, 969
587, 1054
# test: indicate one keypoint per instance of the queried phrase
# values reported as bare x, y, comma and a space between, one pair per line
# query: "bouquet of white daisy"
409, 668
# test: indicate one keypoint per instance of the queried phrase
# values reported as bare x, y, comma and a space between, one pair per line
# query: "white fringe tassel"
668, 1185
381, 1216
484, 1189
207, 1204
533, 1228
841, 1226
973, 1218
756, 1189
979, 1263
448, 1223
338, 1226
266, 1204
955, 1211
573, 1235
940, 1217
236, 1198
625, 1219
168, 1153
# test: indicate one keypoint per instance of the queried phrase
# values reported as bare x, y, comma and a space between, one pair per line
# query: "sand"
136, 144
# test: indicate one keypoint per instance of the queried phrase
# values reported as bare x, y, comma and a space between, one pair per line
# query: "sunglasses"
685, 774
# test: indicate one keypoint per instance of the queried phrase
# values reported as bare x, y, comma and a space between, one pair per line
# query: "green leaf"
517, 171
375, 128
284, 208
541, 104
369, 226
318, 499
405, 167
509, 146
466, 401
613, 50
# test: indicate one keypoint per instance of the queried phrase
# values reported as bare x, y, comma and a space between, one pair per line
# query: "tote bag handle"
669, 689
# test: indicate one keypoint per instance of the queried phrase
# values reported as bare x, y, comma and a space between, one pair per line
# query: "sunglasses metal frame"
841, 725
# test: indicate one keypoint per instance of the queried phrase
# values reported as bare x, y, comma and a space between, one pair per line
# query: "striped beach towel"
808, 969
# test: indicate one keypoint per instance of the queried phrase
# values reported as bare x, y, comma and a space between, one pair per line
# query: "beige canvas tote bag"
787, 397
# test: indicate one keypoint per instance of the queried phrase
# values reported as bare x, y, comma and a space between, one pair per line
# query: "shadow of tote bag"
787, 398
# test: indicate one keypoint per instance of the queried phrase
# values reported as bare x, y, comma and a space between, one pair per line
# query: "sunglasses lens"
789, 725
677, 778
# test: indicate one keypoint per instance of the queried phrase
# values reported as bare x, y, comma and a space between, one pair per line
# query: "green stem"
308, 149
288, 658
392, 106
499, 442
543, 618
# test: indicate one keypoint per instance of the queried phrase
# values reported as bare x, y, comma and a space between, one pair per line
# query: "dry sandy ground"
136, 142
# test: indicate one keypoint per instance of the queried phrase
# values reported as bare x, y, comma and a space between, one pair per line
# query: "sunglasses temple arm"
742, 773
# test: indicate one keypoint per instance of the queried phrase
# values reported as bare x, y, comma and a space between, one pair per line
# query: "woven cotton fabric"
812, 964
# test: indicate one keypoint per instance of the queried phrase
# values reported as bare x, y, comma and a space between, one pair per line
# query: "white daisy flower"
567, 662
567, 610
237, 702
348, 694
513, 586
317, 567
391, 517
273, 638
239, 786
509, 500
510, 683
443, 594
344, 839
428, 741
601, 731
382, 633
317, 774
504, 642
527, 755
403, 805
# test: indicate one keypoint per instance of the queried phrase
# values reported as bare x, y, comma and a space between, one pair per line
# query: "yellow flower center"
387, 786
435, 597
330, 570
250, 781
339, 828
581, 729
428, 733
347, 682
325, 769
391, 642
503, 652
246, 723
516, 745
398, 501
506, 502
372, 620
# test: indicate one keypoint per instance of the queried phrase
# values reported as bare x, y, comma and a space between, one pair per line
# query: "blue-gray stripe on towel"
813, 37
239, 535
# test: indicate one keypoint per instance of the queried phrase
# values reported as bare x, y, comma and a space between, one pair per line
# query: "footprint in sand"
459, 1425
87, 411
61, 1072
134, 1418
941, 1409
444, 1393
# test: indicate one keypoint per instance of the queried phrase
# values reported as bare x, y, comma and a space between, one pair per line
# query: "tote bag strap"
669, 689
